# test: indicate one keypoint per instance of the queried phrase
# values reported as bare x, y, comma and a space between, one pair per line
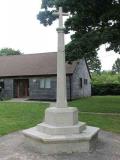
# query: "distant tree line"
9, 51
107, 82
106, 77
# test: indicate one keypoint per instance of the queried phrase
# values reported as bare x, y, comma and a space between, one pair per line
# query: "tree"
94, 22
94, 64
105, 77
116, 66
9, 51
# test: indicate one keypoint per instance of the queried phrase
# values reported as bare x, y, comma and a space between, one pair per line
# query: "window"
2, 83
85, 81
80, 82
42, 83
45, 83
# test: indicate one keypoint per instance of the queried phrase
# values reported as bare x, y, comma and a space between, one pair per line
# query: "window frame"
2, 83
45, 81
81, 82
42, 80
85, 81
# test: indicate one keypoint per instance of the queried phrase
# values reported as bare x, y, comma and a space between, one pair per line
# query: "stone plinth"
61, 132
61, 116
61, 121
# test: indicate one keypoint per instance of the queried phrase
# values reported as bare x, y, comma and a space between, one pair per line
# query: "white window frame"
48, 83
42, 83
45, 83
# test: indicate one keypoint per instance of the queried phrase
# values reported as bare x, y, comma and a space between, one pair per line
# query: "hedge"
105, 89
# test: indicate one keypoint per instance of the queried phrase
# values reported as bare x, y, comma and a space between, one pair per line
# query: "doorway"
21, 88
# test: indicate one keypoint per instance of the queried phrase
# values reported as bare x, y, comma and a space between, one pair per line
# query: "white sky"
20, 29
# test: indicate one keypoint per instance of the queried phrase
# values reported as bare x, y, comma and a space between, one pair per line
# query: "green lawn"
18, 116
101, 104
105, 122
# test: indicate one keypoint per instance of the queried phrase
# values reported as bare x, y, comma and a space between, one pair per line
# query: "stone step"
66, 130
49, 144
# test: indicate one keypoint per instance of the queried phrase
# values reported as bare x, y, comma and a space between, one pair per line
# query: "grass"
18, 116
105, 122
98, 104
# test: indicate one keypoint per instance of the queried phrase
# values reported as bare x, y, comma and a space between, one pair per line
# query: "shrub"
106, 89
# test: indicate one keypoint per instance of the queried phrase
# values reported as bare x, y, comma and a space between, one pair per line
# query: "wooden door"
22, 88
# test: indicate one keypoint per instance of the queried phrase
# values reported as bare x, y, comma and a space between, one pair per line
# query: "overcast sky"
20, 29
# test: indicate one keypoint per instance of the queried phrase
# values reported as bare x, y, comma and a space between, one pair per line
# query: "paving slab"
27, 100
12, 148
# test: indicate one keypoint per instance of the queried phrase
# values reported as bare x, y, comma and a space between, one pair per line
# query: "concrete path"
26, 100
12, 148
18, 100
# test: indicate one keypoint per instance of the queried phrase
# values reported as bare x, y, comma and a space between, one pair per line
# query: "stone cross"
60, 14
61, 132
61, 67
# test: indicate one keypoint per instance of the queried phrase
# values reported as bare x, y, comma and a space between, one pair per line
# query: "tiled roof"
31, 65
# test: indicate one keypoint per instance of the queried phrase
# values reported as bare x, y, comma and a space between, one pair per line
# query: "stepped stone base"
61, 132
49, 144
53, 130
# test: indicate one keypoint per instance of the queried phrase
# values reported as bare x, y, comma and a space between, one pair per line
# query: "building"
34, 76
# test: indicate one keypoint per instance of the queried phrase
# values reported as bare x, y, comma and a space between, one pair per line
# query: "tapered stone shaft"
61, 68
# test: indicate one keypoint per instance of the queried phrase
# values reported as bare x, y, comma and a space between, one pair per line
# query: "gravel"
12, 148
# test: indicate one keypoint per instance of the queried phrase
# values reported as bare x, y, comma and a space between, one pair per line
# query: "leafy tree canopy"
94, 64
94, 22
116, 66
105, 78
9, 51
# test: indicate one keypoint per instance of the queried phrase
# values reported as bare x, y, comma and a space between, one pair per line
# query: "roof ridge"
28, 54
